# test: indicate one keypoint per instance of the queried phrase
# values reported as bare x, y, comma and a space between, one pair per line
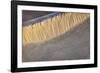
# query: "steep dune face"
72, 45
52, 27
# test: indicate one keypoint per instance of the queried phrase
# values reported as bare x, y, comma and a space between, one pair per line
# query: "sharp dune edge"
52, 27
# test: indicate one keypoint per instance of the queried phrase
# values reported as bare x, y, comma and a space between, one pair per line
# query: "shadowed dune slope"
72, 45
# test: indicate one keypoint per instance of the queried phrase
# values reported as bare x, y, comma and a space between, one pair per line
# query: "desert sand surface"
72, 45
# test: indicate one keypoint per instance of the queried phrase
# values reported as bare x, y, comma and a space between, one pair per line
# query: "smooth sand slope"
69, 46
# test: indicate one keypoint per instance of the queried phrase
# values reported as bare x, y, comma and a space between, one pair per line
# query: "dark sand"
72, 45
